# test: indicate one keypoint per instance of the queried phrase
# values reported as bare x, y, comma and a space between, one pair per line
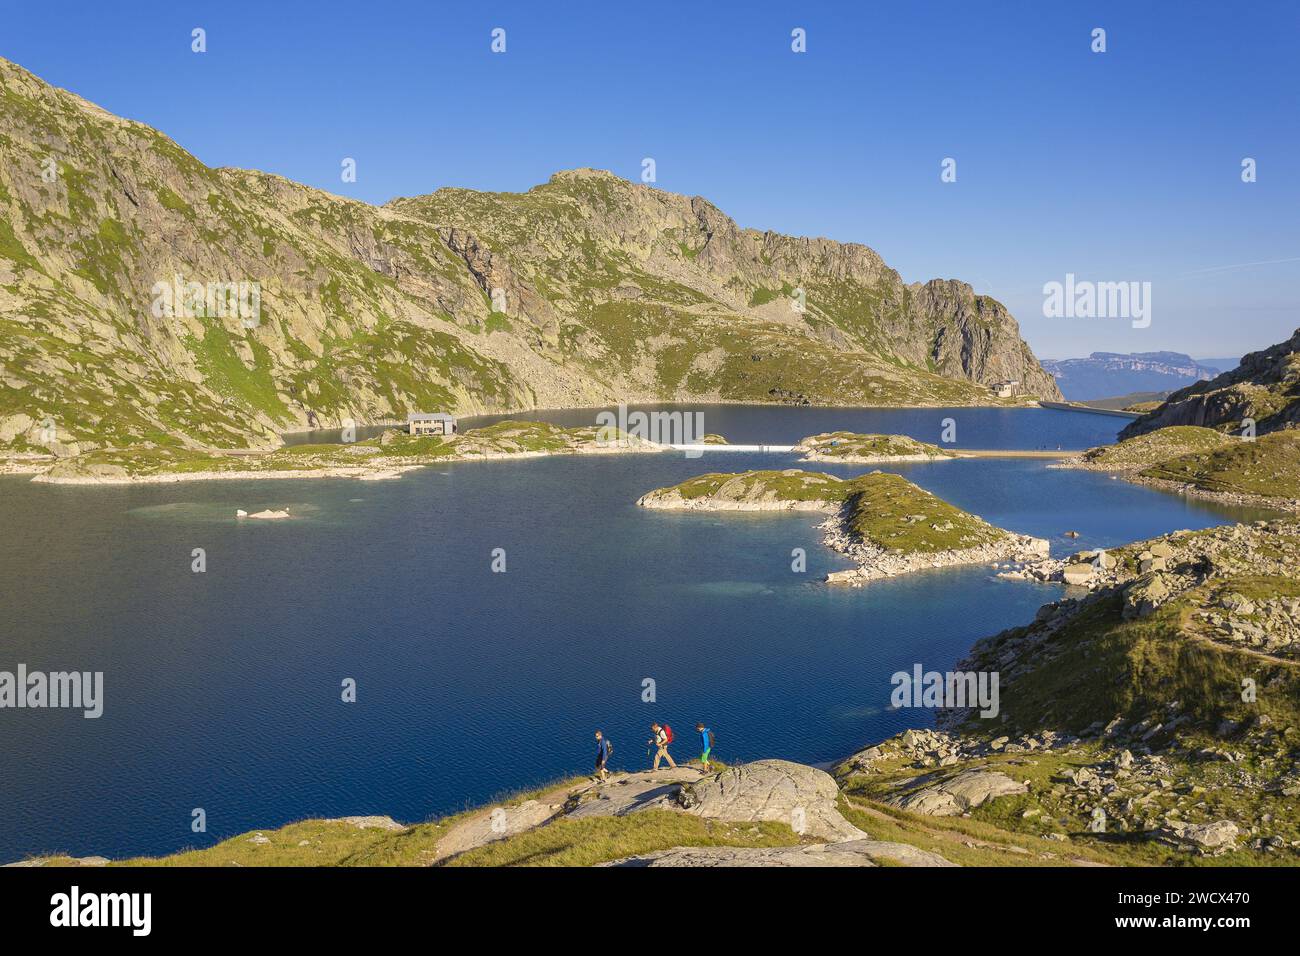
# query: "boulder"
1078, 574
1208, 838
14, 425
965, 791
802, 797
1146, 594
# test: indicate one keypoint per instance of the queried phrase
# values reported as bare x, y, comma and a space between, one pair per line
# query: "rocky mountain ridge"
148, 299
1264, 388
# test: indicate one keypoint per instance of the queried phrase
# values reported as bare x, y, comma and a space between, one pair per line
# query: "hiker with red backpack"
663, 736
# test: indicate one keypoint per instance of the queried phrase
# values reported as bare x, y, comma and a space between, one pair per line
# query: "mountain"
147, 298
1220, 364
1265, 387
1132, 402
1107, 374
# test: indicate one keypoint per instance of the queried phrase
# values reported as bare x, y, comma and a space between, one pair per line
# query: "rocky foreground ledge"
882, 521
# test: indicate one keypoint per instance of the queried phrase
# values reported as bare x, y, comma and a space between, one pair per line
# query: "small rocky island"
881, 521
864, 449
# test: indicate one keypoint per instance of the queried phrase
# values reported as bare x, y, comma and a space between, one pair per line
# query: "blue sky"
1115, 166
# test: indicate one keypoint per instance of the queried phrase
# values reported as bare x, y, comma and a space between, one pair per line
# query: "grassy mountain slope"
1268, 467
609, 291
1154, 447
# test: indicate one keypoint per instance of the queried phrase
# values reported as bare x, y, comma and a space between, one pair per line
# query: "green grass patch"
1268, 466
883, 509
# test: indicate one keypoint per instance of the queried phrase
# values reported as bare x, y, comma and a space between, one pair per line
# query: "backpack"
668, 735
609, 749
710, 740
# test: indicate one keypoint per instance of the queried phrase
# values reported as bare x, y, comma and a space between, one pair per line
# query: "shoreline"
669, 403
874, 563
359, 472
38, 466
1236, 498
1187, 490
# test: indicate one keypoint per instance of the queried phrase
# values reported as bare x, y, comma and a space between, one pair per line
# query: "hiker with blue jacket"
603, 751
706, 739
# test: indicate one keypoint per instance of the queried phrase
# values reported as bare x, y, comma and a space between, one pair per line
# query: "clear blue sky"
1116, 166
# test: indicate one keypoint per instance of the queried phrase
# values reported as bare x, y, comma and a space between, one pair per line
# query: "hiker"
706, 738
604, 750
663, 736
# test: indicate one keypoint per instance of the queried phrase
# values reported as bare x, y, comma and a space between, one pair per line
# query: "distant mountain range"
1107, 374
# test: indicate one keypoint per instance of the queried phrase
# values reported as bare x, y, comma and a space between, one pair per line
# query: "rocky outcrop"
629, 793
848, 853
370, 823
498, 823
975, 336
802, 797
875, 563
1209, 839
1265, 387
1149, 574
958, 794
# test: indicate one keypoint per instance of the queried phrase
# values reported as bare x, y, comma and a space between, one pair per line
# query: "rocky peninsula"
1261, 471
882, 521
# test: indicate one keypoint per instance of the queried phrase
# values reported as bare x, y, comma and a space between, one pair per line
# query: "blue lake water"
765, 425
223, 688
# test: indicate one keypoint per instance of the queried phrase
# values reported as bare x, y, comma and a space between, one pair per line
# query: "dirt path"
1193, 630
